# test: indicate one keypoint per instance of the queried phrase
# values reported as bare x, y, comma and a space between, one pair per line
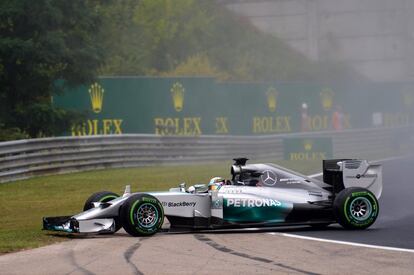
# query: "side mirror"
182, 187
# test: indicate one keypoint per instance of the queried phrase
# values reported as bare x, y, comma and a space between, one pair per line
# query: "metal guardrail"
28, 158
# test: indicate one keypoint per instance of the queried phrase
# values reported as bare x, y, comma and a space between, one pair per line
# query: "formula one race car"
258, 195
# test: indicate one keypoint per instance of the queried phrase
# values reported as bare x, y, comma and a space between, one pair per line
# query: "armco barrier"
28, 158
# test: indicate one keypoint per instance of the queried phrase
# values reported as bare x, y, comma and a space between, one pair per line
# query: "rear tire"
356, 208
103, 196
142, 215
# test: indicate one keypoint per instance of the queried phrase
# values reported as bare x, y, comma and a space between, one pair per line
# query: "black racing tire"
356, 208
142, 215
103, 196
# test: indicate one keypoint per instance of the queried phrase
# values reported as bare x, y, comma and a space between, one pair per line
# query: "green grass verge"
24, 203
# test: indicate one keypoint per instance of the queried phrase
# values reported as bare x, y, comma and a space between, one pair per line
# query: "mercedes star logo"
269, 178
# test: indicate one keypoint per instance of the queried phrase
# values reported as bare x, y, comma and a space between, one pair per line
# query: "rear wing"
345, 173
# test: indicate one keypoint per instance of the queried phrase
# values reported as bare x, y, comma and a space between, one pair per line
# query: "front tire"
142, 215
103, 196
356, 208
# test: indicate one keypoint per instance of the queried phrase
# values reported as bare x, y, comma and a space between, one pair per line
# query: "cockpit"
268, 175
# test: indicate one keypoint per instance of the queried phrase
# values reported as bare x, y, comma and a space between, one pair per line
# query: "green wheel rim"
360, 209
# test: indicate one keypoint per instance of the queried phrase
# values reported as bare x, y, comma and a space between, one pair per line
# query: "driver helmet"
215, 183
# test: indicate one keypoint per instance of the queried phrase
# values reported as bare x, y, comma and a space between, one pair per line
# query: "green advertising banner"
192, 106
307, 148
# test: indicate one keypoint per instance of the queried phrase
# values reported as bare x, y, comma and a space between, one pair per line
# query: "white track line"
344, 243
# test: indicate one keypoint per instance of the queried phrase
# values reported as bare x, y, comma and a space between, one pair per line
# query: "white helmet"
191, 189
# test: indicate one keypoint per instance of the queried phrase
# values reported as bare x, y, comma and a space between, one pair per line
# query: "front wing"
69, 224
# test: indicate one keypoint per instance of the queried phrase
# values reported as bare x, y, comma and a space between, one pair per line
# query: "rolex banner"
192, 106
307, 148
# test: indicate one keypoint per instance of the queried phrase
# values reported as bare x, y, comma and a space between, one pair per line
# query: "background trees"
44, 41
161, 37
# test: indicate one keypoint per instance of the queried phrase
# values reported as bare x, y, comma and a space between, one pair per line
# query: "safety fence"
34, 157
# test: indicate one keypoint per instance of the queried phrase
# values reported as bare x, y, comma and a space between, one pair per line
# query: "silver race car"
258, 195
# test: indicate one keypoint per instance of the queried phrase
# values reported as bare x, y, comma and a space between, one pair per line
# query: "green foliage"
11, 133
196, 65
159, 37
173, 30
44, 120
42, 41
121, 39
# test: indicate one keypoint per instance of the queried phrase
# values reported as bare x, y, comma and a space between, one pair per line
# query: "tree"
162, 37
40, 42
122, 40
196, 65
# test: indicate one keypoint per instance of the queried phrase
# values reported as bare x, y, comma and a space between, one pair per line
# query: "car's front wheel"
356, 208
142, 215
103, 196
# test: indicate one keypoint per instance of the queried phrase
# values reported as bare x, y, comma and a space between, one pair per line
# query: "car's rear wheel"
142, 215
356, 208
103, 196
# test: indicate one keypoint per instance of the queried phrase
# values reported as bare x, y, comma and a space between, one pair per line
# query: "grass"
24, 203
